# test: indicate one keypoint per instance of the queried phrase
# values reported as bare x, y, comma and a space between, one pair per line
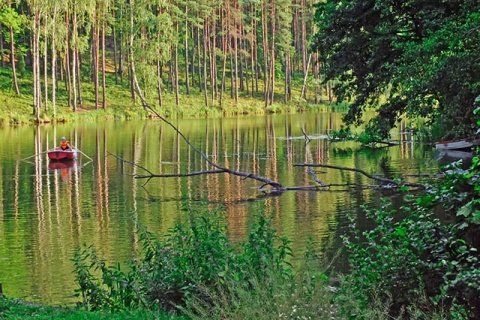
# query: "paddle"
81, 152
34, 155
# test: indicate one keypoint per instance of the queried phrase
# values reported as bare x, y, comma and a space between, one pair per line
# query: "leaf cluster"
414, 58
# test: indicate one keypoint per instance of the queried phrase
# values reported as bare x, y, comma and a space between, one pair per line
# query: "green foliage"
195, 255
414, 58
345, 133
412, 253
11, 309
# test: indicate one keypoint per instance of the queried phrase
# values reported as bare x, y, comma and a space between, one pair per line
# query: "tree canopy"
413, 58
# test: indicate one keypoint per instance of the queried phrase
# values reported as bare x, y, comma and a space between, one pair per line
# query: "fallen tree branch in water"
385, 182
276, 187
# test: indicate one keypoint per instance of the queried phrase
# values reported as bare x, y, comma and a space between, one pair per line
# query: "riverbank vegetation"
416, 263
419, 261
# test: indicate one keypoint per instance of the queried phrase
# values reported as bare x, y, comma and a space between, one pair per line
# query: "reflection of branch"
314, 175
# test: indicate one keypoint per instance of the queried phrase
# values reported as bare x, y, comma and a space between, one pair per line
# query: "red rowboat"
59, 154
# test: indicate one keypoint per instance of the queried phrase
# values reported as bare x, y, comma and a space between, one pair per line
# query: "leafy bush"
195, 255
403, 258
345, 133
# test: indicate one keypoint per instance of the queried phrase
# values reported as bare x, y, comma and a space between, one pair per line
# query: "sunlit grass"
16, 309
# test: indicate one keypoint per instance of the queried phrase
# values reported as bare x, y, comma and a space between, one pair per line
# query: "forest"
254, 48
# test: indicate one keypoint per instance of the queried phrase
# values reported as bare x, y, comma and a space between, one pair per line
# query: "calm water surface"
46, 211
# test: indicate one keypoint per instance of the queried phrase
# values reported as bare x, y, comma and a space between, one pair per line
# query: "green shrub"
407, 256
195, 255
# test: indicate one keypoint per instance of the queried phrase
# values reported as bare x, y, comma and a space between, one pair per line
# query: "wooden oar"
34, 155
81, 152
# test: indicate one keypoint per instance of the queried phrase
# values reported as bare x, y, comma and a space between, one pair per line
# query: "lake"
48, 209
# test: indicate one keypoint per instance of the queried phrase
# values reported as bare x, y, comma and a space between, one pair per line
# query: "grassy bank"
18, 109
16, 309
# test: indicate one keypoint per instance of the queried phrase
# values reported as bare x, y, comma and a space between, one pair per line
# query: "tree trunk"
114, 30
37, 94
95, 55
306, 60
287, 77
54, 64
199, 61
224, 50
45, 64
177, 93
205, 66
187, 76
266, 73
79, 79
104, 82
159, 82
272, 58
12, 61
74, 59
214, 61
1, 46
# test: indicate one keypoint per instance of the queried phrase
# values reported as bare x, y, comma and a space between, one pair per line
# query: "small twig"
307, 139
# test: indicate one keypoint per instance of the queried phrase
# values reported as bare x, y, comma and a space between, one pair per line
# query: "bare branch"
275, 185
132, 163
176, 175
377, 178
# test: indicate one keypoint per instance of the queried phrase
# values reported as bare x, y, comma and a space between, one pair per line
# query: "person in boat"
65, 144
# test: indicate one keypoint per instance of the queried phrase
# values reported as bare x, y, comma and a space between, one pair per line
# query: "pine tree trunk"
104, 82
235, 54
54, 64
214, 62
2, 63
177, 91
95, 53
306, 60
74, 59
224, 51
45, 64
187, 76
114, 31
266, 72
159, 83
253, 54
66, 63
12, 61
272, 58
79, 79
205, 36
199, 61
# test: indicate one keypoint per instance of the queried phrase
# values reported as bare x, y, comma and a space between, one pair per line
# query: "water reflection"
48, 209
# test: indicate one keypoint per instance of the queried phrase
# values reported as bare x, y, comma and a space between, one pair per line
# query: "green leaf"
465, 210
